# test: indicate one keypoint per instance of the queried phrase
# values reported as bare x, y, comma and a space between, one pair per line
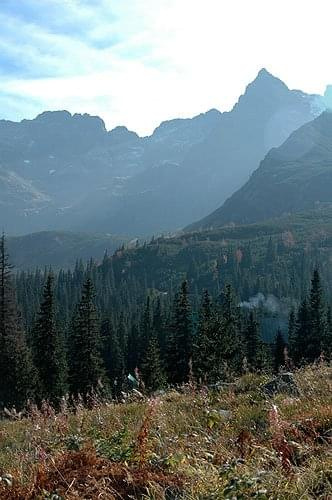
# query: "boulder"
283, 383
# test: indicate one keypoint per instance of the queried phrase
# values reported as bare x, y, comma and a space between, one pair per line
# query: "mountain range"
294, 177
67, 172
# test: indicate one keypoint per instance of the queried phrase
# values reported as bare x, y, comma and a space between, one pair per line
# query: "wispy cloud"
136, 62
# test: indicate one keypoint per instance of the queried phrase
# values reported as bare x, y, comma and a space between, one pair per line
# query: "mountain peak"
266, 78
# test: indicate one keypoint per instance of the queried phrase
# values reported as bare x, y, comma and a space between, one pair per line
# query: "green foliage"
49, 351
85, 362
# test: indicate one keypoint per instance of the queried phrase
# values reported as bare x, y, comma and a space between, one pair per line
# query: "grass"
232, 443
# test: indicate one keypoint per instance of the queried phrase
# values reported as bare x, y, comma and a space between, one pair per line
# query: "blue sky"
138, 62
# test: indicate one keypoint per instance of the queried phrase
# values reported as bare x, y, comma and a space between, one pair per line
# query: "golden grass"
179, 445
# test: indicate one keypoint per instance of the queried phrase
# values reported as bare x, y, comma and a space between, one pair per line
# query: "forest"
92, 329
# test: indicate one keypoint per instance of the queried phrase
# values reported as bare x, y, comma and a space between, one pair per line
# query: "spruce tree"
302, 334
279, 351
253, 342
48, 349
145, 329
327, 341
292, 336
17, 374
230, 345
113, 356
317, 320
85, 362
180, 338
204, 359
152, 369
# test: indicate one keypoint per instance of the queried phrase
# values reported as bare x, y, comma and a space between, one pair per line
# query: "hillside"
209, 258
59, 249
294, 177
233, 441
67, 172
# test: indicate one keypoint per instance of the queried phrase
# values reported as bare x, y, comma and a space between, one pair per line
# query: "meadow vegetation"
225, 442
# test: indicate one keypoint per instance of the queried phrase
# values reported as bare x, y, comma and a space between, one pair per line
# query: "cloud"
137, 62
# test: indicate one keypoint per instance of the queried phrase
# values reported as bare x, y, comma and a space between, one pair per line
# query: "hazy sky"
138, 62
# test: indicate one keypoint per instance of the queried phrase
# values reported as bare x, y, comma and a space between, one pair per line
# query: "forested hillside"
161, 309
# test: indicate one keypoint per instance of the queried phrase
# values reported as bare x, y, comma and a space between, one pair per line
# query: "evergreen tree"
152, 370
302, 334
279, 351
17, 374
158, 326
113, 356
85, 361
317, 320
49, 352
292, 336
132, 350
145, 329
253, 342
204, 346
180, 338
327, 341
230, 344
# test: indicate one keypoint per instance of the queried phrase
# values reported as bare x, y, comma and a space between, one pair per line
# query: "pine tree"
49, 351
292, 336
85, 362
327, 341
279, 351
145, 329
158, 326
113, 356
152, 370
230, 345
253, 342
317, 320
180, 338
17, 374
302, 334
132, 349
204, 359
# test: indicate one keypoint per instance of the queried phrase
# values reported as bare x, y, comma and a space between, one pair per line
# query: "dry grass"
181, 445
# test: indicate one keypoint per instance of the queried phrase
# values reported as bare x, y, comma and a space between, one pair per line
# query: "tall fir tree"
85, 361
152, 370
180, 338
17, 373
292, 336
113, 356
231, 346
253, 342
302, 334
279, 351
48, 349
317, 320
204, 359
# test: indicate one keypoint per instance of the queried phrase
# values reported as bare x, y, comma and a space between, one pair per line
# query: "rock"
225, 414
283, 383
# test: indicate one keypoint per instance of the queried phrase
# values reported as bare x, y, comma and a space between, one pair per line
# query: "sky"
139, 62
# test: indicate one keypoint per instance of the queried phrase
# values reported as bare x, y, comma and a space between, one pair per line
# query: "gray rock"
225, 414
283, 383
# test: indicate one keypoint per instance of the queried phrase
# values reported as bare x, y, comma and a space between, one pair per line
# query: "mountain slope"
78, 168
59, 249
174, 194
71, 173
294, 177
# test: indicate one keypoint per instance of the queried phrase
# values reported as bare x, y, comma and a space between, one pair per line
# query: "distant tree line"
77, 348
